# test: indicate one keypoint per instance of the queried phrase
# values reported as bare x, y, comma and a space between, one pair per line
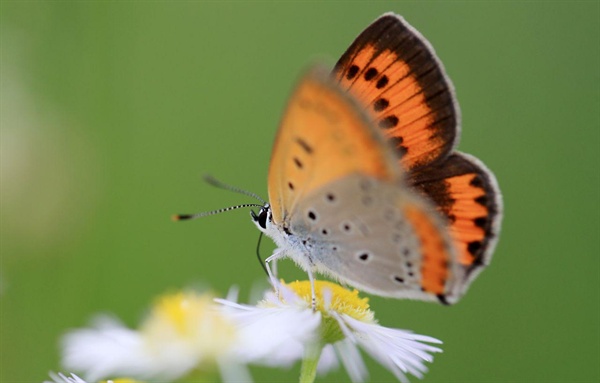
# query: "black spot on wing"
388, 122
352, 71
474, 247
298, 163
382, 82
481, 222
370, 74
380, 105
304, 145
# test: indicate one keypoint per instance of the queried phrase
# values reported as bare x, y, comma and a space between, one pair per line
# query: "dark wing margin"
466, 194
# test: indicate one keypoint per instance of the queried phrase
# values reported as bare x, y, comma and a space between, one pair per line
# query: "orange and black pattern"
466, 194
394, 72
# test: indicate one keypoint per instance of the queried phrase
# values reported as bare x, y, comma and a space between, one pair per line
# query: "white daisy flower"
183, 332
280, 345
284, 328
61, 378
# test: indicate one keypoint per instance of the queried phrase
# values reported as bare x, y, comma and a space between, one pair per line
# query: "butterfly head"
281, 235
263, 219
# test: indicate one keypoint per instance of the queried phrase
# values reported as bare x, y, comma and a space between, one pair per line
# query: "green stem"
308, 371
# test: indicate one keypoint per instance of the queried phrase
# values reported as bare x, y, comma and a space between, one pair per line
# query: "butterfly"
364, 181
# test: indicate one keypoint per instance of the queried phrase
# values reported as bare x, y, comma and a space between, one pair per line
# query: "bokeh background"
112, 111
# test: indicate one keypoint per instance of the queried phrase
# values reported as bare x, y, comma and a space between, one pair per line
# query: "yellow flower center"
190, 320
175, 308
341, 300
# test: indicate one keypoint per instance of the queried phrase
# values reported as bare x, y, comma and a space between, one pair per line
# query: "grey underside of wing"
355, 231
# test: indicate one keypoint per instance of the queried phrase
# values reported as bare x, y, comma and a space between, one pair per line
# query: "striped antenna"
185, 217
216, 183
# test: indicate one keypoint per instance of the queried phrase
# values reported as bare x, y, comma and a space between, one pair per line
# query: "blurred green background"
112, 111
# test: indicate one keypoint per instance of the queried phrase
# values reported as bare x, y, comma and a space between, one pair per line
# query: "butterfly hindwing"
323, 136
466, 194
394, 73
379, 238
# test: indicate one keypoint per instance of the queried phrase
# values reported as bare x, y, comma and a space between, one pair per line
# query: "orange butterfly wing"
323, 136
467, 195
393, 71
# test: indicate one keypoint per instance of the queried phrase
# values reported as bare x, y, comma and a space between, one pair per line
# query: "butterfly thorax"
290, 245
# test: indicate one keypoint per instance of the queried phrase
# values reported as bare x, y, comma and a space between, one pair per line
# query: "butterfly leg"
272, 278
274, 267
277, 254
313, 295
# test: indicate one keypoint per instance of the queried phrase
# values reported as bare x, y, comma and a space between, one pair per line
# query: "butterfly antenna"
183, 217
262, 264
216, 183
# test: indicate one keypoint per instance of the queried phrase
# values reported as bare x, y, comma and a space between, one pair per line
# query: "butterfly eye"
262, 217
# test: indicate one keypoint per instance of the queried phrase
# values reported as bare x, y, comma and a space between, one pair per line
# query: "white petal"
399, 350
347, 332
272, 335
101, 350
328, 360
284, 297
327, 297
233, 305
233, 293
352, 361
257, 291
109, 349
60, 378
233, 372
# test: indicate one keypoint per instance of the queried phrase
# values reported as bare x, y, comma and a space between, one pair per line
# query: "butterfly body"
364, 183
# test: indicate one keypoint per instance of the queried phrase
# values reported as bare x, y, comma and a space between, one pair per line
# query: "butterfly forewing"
394, 72
323, 136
